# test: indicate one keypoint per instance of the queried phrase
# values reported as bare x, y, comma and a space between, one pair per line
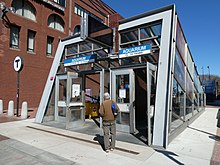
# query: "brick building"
33, 32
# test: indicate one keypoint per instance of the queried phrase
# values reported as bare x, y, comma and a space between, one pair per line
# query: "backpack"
114, 109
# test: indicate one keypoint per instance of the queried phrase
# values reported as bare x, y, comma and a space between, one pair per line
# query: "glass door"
122, 91
69, 100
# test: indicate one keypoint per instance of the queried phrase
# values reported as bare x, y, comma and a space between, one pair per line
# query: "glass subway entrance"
78, 96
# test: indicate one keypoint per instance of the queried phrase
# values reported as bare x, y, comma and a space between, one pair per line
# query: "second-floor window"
14, 36
31, 41
56, 22
25, 9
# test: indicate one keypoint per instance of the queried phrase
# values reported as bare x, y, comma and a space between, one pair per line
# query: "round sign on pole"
18, 64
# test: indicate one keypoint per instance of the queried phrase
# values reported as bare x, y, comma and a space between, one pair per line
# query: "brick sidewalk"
215, 160
5, 118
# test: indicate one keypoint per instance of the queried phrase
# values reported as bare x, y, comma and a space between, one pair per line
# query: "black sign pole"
18, 86
18, 65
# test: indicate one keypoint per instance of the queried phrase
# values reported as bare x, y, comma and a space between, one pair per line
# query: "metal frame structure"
160, 71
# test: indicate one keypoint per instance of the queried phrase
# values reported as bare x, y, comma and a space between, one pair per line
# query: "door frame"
150, 109
124, 107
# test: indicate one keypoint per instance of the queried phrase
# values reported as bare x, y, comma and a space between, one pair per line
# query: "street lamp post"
202, 74
208, 71
4, 9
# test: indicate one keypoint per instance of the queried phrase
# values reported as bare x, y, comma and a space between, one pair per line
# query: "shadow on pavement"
212, 136
100, 139
170, 155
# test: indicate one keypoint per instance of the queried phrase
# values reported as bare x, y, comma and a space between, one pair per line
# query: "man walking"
109, 124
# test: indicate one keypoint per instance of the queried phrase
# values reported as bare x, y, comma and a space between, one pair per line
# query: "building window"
56, 22
61, 2
49, 45
78, 10
31, 41
14, 37
25, 9
77, 30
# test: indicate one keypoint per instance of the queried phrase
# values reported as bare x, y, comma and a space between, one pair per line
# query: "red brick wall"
36, 66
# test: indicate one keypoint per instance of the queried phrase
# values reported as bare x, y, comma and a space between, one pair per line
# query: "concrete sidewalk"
25, 142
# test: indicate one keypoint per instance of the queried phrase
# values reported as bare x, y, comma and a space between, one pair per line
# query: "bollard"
1, 107
24, 110
11, 108
218, 118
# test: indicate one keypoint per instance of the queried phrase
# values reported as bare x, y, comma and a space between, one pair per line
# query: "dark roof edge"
147, 14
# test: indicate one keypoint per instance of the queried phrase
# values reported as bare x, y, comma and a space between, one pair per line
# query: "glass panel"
156, 29
122, 91
188, 108
72, 49
196, 104
150, 31
102, 53
196, 80
62, 90
180, 41
62, 98
75, 115
179, 71
190, 64
85, 47
177, 106
50, 109
144, 33
189, 87
62, 111
189, 96
95, 46
129, 36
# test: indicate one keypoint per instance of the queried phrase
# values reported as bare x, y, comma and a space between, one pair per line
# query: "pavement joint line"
84, 140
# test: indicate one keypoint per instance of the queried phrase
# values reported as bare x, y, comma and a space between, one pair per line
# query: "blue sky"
200, 21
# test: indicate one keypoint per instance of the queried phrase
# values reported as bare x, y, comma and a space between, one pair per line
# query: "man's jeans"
109, 130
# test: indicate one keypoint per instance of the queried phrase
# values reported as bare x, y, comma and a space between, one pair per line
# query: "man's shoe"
111, 149
107, 151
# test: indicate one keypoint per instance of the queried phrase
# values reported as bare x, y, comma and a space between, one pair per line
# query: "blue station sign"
135, 51
80, 60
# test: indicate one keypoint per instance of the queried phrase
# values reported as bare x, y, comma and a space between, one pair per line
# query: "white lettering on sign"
135, 51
